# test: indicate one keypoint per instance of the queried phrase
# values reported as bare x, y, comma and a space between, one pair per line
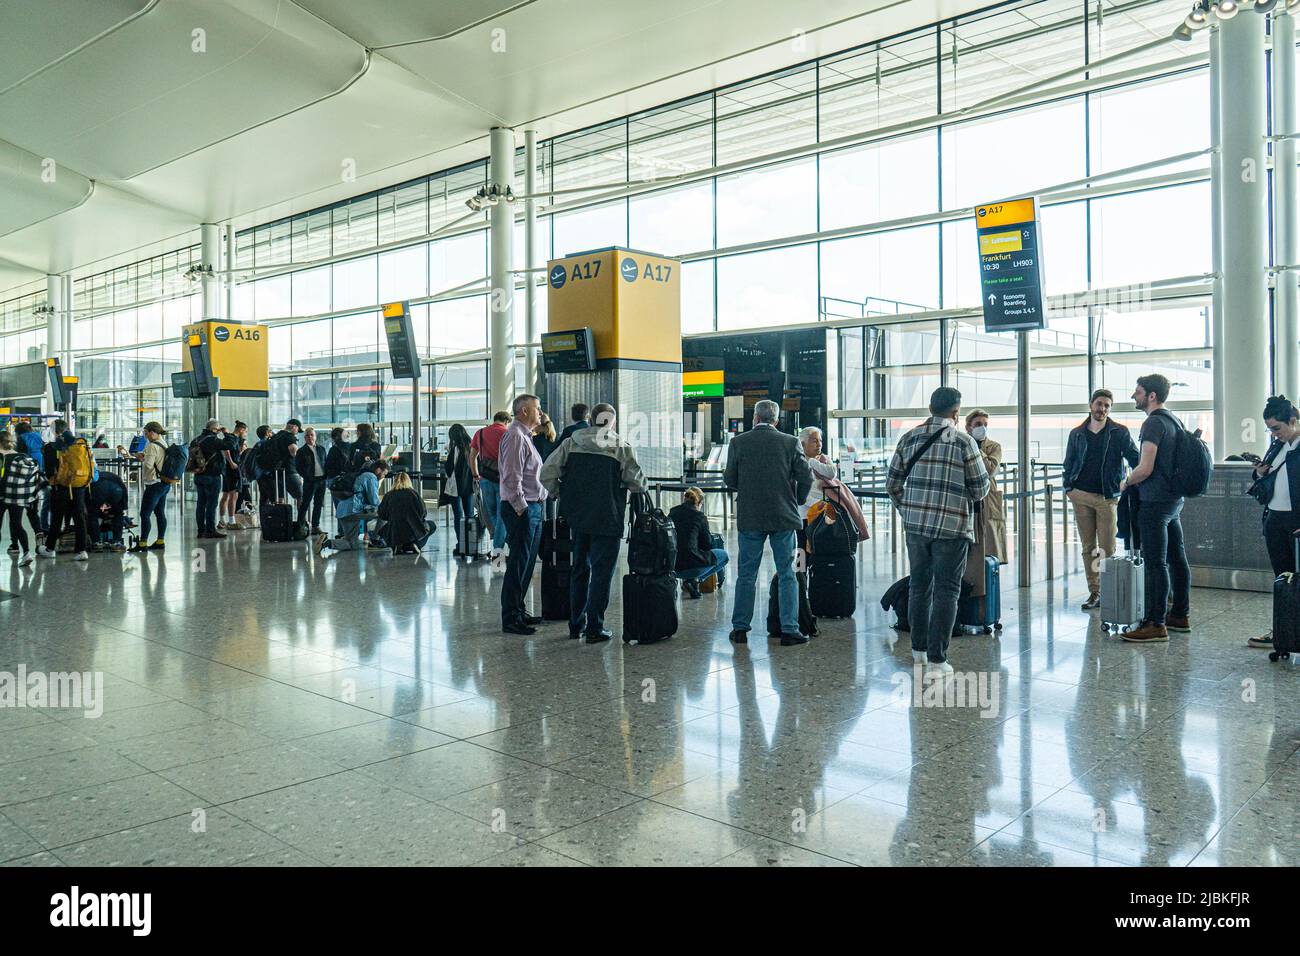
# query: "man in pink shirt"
522, 496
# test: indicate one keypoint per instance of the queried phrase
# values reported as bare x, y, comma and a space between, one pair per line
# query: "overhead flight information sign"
403, 357
1011, 265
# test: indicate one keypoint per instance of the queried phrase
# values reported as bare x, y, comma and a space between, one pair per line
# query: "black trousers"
69, 505
313, 495
1279, 526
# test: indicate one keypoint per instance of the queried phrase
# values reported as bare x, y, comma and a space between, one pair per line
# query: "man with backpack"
935, 479
208, 460
770, 475
592, 474
69, 470
275, 459
1160, 494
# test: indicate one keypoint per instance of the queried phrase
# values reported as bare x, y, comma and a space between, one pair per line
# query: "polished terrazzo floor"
264, 707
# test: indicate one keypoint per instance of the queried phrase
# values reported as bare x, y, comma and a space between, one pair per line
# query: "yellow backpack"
74, 466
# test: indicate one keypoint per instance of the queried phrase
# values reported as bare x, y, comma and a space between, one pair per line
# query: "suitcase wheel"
1279, 655
997, 626
988, 630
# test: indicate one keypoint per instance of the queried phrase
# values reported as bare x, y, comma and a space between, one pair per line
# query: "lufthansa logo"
558, 275
628, 270
221, 333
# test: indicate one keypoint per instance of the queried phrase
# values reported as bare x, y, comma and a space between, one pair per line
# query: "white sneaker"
918, 657
44, 552
28, 558
943, 667
81, 556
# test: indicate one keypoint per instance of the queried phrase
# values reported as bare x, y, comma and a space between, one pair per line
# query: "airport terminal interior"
403, 216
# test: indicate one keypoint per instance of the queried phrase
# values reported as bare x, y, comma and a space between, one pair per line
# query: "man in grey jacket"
767, 470
591, 472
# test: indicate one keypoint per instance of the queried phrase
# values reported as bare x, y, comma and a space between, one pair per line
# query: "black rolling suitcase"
556, 554
277, 516
807, 623
1286, 612
832, 585
649, 608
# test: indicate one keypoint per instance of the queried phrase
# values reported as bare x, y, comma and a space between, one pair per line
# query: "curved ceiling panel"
108, 223
383, 119
379, 22
186, 74
38, 32
33, 188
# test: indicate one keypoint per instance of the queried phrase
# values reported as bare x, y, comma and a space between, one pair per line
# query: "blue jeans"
937, 568
154, 503
47, 511
594, 559
208, 488
782, 544
1165, 558
462, 507
720, 559
524, 532
493, 509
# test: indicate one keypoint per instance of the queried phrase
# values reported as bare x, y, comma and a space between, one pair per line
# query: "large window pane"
673, 222
355, 283
889, 180
1157, 234
1148, 121
768, 288
1013, 154
594, 228
888, 273
458, 324
768, 203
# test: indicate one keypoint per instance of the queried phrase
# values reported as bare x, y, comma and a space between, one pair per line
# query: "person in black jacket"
365, 449
402, 511
336, 460
579, 414
459, 489
310, 462
108, 504
697, 558
592, 472
1282, 513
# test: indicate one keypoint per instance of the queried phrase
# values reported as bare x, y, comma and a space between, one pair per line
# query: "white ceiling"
152, 127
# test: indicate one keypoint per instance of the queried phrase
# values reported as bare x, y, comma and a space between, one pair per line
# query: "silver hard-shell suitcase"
1123, 591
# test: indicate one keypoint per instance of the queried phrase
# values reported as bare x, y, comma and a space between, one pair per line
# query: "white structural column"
1216, 247
1244, 351
530, 256
501, 230
227, 276
1286, 295
210, 252
54, 325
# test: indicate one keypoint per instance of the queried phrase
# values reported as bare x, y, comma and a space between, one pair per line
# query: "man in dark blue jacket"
579, 414
1094, 469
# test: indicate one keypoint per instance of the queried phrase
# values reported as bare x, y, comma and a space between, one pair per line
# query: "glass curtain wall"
750, 236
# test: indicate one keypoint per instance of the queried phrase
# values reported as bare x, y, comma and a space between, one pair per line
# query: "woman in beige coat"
991, 523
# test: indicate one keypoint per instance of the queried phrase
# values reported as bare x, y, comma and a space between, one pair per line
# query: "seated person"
354, 512
108, 504
699, 553
402, 517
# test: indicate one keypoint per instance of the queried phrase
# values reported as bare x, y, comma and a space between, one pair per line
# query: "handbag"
834, 491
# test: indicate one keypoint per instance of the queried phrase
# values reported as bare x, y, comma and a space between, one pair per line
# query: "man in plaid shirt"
935, 478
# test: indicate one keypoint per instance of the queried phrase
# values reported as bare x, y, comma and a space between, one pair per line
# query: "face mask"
979, 433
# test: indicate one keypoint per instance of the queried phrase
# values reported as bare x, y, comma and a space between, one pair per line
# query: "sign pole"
1024, 476
415, 435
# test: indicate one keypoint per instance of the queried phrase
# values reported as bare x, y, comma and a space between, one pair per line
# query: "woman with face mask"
991, 530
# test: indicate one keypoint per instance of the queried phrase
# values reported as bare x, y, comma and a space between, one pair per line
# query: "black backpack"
268, 455
1193, 464
343, 486
652, 539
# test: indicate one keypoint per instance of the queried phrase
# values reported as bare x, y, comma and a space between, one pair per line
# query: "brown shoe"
1147, 633
1093, 602
1180, 624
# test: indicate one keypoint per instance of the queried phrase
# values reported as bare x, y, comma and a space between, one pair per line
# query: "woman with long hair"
544, 439
459, 489
405, 528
